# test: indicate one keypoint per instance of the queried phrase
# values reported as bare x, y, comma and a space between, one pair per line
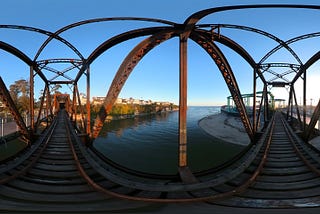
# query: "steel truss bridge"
276, 161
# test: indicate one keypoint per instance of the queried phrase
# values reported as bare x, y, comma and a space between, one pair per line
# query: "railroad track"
59, 173
289, 177
48, 179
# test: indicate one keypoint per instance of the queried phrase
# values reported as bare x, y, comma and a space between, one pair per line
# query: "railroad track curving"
59, 173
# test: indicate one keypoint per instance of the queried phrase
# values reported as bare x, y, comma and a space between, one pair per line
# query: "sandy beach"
225, 127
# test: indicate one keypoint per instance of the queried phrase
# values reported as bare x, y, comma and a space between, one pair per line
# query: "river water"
150, 143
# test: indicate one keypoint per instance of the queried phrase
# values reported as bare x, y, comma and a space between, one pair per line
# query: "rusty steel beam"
31, 99
254, 118
89, 21
48, 103
234, 46
306, 36
61, 82
7, 100
123, 73
80, 107
45, 32
308, 64
196, 17
117, 40
228, 76
297, 106
314, 119
88, 106
16, 52
73, 114
41, 107
304, 97
260, 108
258, 31
183, 102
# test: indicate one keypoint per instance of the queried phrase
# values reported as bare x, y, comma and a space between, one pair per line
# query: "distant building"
129, 101
97, 100
83, 98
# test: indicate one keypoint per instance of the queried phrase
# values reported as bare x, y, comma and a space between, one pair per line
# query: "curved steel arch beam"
194, 18
16, 52
89, 21
261, 32
310, 62
48, 33
316, 113
222, 63
136, 55
231, 44
125, 69
9, 103
234, 46
117, 40
298, 38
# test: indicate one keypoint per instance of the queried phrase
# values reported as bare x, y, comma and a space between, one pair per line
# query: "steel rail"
298, 151
210, 198
34, 159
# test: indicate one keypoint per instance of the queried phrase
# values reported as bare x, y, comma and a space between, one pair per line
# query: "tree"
19, 92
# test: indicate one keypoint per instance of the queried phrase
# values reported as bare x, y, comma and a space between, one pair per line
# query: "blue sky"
156, 77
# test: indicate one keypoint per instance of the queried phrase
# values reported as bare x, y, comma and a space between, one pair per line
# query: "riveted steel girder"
123, 74
7, 100
258, 31
314, 119
304, 67
89, 21
228, 76
45, 32
115, 41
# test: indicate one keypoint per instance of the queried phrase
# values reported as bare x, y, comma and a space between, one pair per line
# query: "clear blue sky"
156, 77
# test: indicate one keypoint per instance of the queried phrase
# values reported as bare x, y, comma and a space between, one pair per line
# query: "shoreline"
225, 127
132, 116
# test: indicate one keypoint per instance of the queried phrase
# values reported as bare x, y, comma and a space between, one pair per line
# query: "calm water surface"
150, 144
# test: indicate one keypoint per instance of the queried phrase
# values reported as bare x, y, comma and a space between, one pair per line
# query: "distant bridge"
275, 156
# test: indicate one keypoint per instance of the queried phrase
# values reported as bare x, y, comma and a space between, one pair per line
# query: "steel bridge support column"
254, 116
297, 106
82, 123
41, 107
31, 99
289, 111
183, 103
304, 97
291, 105
74, 104
265, 94
48, 104
88, 107
185, 173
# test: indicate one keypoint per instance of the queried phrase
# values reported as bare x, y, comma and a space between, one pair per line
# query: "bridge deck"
58, 173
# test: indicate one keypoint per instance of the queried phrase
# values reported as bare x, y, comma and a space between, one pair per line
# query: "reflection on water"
150, 143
